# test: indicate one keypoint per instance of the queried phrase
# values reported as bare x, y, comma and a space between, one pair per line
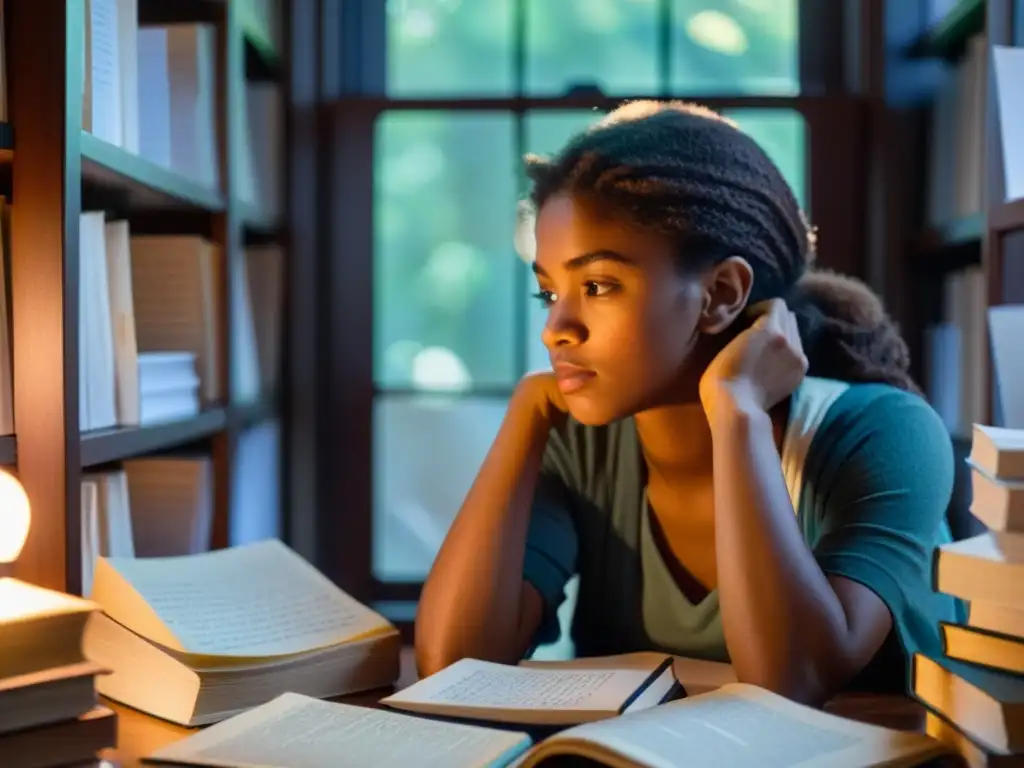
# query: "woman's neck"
676, 441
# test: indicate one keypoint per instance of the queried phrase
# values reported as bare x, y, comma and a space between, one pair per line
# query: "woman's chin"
593, 412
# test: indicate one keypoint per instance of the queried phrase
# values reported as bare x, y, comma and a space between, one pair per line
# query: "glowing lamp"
15, 517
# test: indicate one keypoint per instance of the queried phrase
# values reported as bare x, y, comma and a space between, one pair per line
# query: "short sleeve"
552, 542
551, 548
884, 497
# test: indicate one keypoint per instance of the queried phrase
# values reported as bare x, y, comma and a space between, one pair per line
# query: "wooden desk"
140, 735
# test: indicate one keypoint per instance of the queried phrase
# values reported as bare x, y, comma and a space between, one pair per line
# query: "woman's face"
622, 321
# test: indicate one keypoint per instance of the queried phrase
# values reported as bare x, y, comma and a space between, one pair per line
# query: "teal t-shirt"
870, 472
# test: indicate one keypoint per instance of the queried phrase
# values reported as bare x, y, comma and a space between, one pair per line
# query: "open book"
194, 639
738, 726
542, 694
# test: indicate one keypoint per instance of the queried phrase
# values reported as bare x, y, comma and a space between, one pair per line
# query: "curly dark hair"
693, 175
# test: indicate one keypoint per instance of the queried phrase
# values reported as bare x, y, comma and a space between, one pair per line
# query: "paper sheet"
295, 731
255, 600
473, 683
743, 727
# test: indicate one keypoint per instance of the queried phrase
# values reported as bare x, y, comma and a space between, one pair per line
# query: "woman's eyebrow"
585, 259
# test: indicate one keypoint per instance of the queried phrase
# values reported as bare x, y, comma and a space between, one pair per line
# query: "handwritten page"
695, 675
470, 683
294, 731
739, 726
255, 600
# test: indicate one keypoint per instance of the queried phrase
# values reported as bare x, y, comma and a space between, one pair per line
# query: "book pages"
251, 601
739, 726
295, 731
473, 684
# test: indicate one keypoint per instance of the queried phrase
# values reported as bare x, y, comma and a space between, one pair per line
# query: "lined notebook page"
294, 731
472, 683
250, 601
745, 727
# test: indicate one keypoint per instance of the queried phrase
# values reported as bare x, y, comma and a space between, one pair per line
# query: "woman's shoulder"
877, 408
879, 430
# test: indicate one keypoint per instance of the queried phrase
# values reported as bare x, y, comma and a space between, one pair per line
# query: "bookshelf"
57, 170
982, 239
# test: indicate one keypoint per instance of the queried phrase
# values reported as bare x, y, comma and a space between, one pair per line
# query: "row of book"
150, 324
155, 506
163, 506
956, 353
152, 90
975, 692
955, 170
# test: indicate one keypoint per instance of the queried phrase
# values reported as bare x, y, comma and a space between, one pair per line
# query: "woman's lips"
571, 377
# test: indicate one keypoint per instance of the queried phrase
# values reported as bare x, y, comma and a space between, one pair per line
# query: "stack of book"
197, 638
49, 712
975, 691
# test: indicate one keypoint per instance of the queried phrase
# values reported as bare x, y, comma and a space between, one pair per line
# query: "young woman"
766, 491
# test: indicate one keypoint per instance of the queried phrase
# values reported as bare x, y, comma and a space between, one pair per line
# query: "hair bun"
841, 297
847, 333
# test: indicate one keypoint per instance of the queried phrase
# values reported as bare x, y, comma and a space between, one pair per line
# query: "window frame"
352, 77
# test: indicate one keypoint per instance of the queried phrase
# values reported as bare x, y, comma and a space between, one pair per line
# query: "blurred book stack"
975, 691
49, 711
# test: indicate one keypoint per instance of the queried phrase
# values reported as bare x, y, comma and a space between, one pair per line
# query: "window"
623, 47
468, 88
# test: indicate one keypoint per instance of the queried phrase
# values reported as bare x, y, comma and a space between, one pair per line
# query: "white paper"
474, 683
1006, 329
294, 731
1008, 66
256, 600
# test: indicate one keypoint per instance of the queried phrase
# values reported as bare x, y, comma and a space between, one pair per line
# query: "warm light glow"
15, 517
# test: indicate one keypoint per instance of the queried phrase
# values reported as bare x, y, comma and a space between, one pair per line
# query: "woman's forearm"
472, 603
784, 625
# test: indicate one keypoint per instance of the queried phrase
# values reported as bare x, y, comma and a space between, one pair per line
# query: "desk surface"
140, 735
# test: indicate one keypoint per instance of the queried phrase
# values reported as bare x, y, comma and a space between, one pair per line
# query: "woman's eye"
598, 289
547, 298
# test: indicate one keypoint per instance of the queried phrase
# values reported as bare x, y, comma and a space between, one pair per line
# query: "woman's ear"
726, 291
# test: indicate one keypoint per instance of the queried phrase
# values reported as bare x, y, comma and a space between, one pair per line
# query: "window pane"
609, 43
426, 453
448, 47
782, 133
735, 47
545, 133
444, 263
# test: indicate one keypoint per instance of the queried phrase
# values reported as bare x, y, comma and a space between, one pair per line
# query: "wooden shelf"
103, 446
159, 12
133, 182
948, 38
8, 450
246, 415
1007, 217
957, 233
258, 227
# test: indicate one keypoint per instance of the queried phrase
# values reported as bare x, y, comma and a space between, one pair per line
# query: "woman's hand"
759, 368
542, 389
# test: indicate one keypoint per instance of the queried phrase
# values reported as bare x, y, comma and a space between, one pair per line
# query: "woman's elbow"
800, 683
435, 649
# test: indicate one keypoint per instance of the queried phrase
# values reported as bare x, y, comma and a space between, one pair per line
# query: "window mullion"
356, 49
